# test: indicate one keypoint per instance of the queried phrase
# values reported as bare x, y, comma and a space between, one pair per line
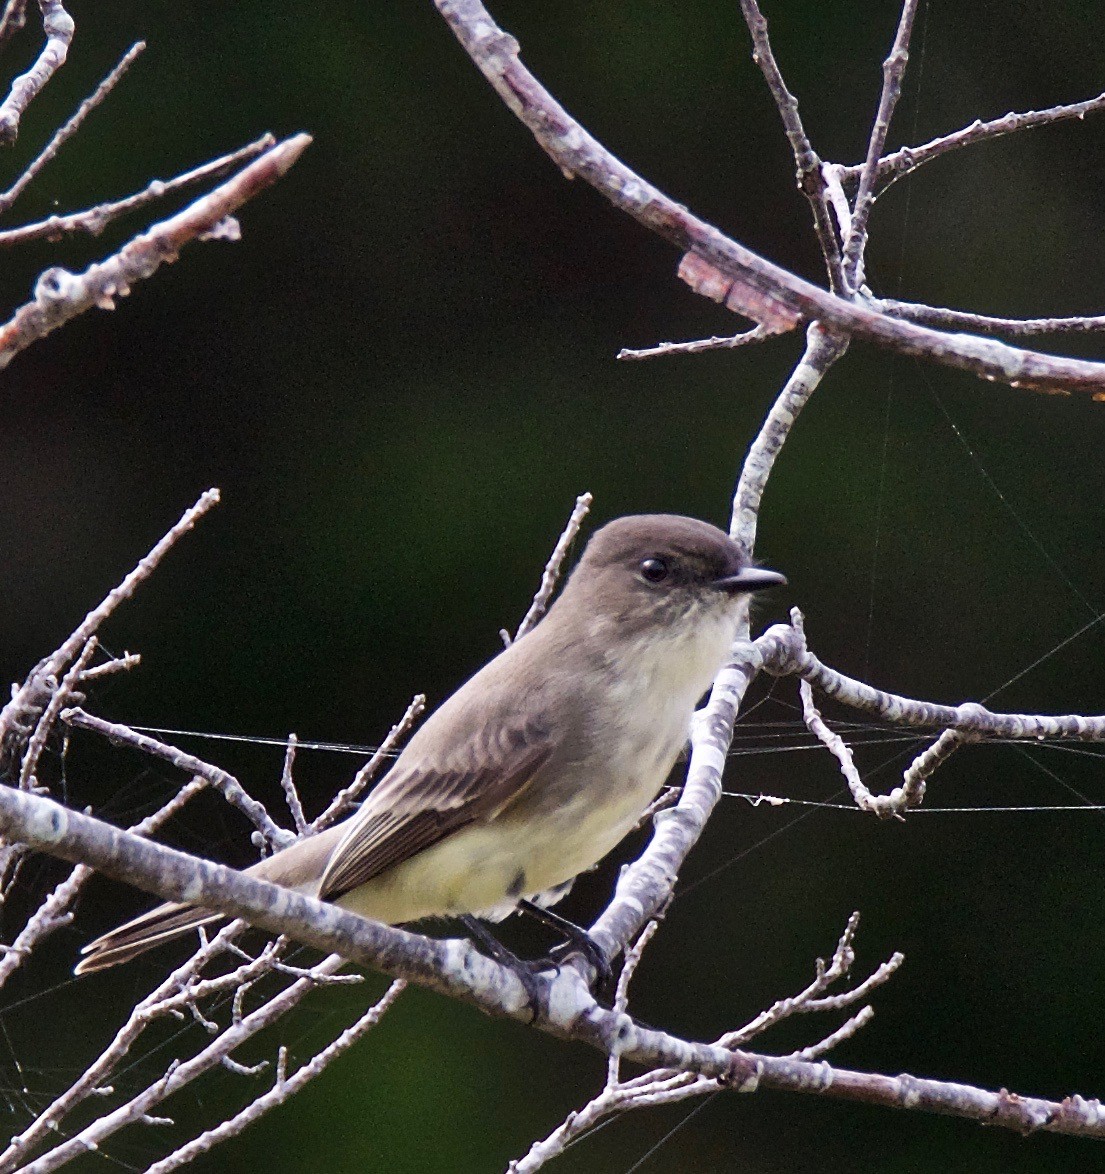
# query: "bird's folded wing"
419, 804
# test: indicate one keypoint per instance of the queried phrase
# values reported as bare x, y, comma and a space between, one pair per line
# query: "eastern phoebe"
539, 764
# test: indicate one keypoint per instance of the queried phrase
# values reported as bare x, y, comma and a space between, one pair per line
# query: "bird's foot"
579, 941
602, 984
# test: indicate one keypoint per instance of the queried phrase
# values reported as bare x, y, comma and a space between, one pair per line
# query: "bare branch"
559, 1003
834, 1039
782, 651
56, 910
984, 323
285, 1086
811, 182
118, 664
645, 887
62, 696
822, 350
58, 26
748, 283
893, 70
551, 575
924, 765
346, 799
29, 700
291, 792
179, 1074
225, 783
12, 20
71, 127
906, 160
883, 806
94, 220
698, 346
60, 296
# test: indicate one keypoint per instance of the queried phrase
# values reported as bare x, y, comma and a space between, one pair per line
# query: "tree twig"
94, 220
811, 181
346, 799
284, 1087
60, 296
748, 283
58, 26
551, 574
225, 783
62, 136
945, 319
12, 19
902, 162
27, 703
699, 345
893, 70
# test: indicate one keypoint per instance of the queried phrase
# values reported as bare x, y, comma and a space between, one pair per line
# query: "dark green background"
401, 378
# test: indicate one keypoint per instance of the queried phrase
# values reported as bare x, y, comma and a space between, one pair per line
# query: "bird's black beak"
750, 579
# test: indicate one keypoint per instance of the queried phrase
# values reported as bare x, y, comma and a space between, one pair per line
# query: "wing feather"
417, 806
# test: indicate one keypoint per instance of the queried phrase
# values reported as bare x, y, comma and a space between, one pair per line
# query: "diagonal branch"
70, 128
61, 296
94, 220
561, 1004
906, 160
58, 26
811, 181
893, 70
758, 288
645, 887
945, 319
30, 699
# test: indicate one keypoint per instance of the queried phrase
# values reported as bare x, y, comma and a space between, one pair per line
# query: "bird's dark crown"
691, 550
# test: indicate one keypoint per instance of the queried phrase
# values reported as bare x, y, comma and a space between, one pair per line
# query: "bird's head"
651, 568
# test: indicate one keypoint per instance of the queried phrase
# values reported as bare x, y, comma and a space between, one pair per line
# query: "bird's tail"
143, 933
297, 867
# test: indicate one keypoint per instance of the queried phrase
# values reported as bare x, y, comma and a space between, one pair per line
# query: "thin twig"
285, 1087
58, 26
224, 782
924, 765
346, 799
55, 911
945, 319
60, 296
22, 712
782, 651
291, 792
811, 182
907, 159
94, 220
883, 806
893, 70
62, 696
551, 575
117, 664
698, 346
747, 283
71, 127
12, 19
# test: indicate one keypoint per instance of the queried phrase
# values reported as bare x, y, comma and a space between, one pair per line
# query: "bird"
540, 763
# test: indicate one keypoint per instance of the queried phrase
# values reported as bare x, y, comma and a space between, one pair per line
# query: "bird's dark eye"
655, 570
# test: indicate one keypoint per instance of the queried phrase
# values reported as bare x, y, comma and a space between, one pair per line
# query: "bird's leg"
577, 937
496, 950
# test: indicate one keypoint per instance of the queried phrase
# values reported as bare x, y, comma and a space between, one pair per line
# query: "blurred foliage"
401, 378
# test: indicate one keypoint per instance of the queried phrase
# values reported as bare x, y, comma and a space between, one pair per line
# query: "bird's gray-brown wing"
423, 802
